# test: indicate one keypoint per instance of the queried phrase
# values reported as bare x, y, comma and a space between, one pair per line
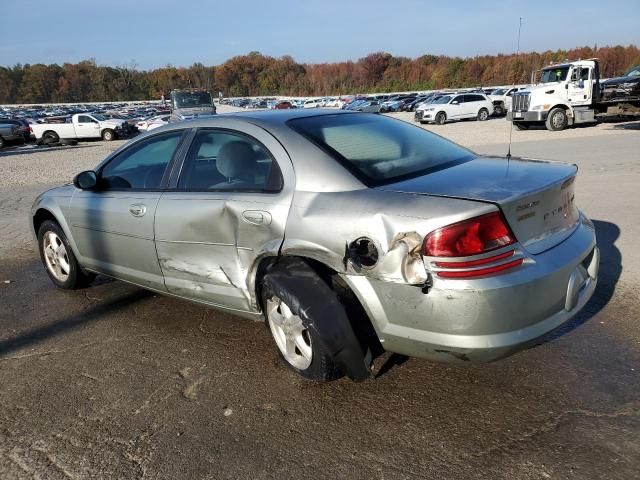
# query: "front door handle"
137, 209
256, 217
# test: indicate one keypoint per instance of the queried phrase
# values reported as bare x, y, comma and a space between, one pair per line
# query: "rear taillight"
469, 237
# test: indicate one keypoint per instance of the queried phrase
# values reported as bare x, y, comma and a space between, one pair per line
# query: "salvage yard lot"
116, 382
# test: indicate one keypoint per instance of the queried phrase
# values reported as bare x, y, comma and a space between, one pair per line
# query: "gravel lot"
115, 382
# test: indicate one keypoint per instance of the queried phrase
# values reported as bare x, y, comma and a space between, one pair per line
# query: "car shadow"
61, 326
607, 234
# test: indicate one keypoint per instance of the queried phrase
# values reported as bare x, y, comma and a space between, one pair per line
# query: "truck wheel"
483, 115
557, 120
50, 137
108, 135
498, 110
441, 117
1, 142
521, 126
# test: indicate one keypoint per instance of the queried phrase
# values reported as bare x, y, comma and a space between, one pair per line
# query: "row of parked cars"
55, 124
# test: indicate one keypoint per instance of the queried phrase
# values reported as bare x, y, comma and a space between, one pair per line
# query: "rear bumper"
488, 318
527, 116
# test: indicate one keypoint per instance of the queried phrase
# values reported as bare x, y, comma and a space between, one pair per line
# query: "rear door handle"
137, 209
256, 217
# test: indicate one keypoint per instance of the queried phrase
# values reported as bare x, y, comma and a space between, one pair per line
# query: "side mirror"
455, 102
86, 180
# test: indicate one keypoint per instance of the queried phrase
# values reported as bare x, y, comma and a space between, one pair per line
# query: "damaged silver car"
345, 232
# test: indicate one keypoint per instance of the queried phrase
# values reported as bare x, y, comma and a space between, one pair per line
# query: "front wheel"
483, 115
58, 258
557, 120
108, 135
441, 117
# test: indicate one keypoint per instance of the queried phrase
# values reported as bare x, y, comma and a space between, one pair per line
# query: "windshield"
634, 72
443, 99
378, 149
558, 74
499, 91
190, 99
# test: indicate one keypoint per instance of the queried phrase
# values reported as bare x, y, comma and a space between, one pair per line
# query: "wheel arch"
44, 212
359, 317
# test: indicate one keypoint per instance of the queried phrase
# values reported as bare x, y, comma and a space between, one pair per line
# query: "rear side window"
222, 160
377, 149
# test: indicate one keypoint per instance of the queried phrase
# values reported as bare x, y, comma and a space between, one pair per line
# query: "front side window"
142, 165
222, 160
377, 149
85, 119
459, 99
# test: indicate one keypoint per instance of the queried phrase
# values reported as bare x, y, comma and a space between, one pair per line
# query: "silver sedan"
348, 233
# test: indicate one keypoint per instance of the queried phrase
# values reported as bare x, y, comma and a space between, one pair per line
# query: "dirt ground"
116, 382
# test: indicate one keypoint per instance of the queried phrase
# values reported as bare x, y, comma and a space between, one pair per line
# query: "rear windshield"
380, 150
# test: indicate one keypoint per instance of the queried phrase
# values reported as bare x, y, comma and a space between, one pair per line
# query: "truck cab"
190, 103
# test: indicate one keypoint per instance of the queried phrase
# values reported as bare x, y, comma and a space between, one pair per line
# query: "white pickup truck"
82, 125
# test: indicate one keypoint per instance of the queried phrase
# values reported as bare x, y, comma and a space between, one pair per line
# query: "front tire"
441, 118
557, 120
108, 135
483, 115
58, 258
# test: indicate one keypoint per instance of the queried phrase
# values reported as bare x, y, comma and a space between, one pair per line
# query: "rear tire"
58, 258
483, 115
314, 324
50, 137
557, 120
441, 118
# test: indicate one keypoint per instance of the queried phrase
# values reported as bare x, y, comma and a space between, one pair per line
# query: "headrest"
236, 159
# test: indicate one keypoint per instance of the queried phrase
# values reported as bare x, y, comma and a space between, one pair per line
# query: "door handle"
256, 217
137, 209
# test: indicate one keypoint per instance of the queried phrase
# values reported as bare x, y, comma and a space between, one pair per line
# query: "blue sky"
153, 33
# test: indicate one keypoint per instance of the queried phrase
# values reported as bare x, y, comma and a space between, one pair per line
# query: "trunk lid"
536, 197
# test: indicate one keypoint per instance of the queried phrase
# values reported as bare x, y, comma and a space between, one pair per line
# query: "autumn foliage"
256, 74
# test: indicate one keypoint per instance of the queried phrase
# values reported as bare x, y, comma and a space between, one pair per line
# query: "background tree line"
256, 74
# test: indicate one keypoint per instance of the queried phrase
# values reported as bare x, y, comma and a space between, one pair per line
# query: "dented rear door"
208, 235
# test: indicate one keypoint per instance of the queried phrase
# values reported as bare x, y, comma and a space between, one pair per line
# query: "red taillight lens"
469, 237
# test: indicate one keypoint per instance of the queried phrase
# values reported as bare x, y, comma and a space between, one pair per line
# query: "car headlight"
430, 109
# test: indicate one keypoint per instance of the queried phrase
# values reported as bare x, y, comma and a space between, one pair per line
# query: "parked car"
369, 106
283, 105
432, 250
23, 126
501, 99
157, 120
314, 103
455, 107
10, 132
80, 126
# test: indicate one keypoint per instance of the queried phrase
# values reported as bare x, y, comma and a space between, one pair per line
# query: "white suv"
455, 107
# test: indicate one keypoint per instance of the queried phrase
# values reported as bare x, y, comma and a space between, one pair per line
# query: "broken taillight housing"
469, 237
